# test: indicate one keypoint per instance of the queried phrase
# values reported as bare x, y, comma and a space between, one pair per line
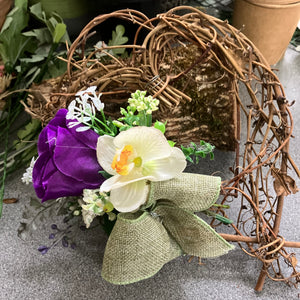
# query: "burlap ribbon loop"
142, 242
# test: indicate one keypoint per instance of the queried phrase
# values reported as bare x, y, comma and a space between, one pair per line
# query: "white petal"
80, 93
130, 197
83, 128
148, 142
83, 119
119, 181
91, 89
97, 102
72, 124
106, 151
166, 168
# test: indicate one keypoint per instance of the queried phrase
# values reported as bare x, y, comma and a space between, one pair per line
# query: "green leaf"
160, 126
8, 20
41, 34
36, 11
31, 71
32, 59
21, 3
223, 219
118, 39
20, 45
51, 24
171, 143
36, 71
59, 32
56, 68
16, 20
218, 217
12, 42
117, 36
27, 133
35, 214
188, 158
196, 152
58, 18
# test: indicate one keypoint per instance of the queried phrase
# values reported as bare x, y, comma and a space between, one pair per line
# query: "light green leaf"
160, 126
8, 20
118, 39
12, 42
51, 24
37, 11
59, 32
117, 36
18, 20
31, 71
29, 33
4, 54
43, 35
26, 133
21, 3
43, 50
171, 143
56, 68
17, 48
32, 59
58, 18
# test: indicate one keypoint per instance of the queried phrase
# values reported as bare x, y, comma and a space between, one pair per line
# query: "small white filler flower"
84, 107
27, 176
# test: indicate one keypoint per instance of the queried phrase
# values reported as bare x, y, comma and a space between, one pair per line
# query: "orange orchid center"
121, 160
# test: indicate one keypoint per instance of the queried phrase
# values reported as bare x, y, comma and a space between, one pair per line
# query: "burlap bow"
142, 242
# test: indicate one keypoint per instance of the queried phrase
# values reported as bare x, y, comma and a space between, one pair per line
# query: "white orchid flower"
133, 157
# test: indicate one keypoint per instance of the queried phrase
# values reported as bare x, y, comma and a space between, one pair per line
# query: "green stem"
143, 120
15, 153
12, 115
221, 205
103, 124
149, 120
218, 217
45, 65
5, 158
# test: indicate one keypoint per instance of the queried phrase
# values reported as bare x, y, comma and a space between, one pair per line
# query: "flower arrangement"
127, 171
261, 151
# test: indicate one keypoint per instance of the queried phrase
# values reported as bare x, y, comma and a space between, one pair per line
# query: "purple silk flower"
67, 161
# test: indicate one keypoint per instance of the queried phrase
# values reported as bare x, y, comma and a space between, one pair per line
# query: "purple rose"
67, 161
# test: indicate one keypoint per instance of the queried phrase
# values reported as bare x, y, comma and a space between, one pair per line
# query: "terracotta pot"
5, 6
268, 24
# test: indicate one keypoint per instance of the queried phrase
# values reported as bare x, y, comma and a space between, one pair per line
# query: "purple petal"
60, 185
43, 249
67, 161
75, 159
88, 137
54, 226
60, 118
47, 136
39, 176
